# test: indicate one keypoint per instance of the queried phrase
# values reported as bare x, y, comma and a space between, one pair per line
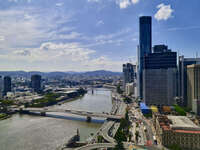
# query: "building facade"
130, 89
193, 84
36, 83
128, 74
182, 77
177, 130
160, 77
7, 84
144, 48
159, 86
164, 58
196, 106
160, 48
1, 86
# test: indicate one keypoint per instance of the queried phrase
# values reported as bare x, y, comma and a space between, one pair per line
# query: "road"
96, 145
142, 122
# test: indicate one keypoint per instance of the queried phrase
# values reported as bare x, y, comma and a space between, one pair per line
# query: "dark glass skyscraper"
145, 45
145, 35
7, 84
160, 77
36, 83
161, 58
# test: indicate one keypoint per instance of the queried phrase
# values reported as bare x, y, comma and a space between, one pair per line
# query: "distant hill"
57, 73
102, 73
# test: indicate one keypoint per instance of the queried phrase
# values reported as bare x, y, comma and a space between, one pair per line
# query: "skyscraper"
145, 35
145, 44
193, 85
128, 74
182, 77
36, 83
7, 84
159, 77
161, 58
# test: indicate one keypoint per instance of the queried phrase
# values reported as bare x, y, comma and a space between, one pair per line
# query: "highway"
96, 145
106, 130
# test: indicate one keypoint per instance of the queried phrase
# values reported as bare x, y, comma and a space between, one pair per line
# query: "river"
27, 132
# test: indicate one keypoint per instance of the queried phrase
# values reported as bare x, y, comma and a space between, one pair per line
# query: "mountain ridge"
60, 73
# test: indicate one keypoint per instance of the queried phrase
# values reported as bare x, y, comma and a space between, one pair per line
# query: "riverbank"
69, 100
43, 129
56, 98
4, 116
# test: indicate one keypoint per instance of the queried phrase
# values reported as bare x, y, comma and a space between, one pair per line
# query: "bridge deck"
76, 112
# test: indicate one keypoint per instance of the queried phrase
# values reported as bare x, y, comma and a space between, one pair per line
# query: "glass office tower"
145, 44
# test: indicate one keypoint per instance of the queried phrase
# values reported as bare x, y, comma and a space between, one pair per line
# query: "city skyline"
89, 34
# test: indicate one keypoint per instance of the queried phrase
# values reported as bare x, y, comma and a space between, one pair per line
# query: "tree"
174, 147
130, 136
119, 89
100, 139
126, 116
119, 146
127, 100
136, 135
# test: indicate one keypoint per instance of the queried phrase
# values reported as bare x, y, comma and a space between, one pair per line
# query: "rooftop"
194, 66
179, 124
143, 106
182, 122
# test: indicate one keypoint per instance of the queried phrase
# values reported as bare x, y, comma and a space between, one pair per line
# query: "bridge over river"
88, 114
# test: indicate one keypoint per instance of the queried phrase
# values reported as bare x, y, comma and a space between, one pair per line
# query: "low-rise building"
177, 130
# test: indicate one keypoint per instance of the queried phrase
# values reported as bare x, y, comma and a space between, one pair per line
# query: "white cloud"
22, 52
103, 62
125, 3
19, 1
121, 3
2, 38
27, 28
29, 41
59, 4
100, 22
134, 1
93, 0
113, 35
59, 56
164, 12
70, 36
48, 52
134, 39
184, 28
116, 38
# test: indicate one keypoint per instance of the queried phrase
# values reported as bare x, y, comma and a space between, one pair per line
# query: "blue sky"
85, 35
